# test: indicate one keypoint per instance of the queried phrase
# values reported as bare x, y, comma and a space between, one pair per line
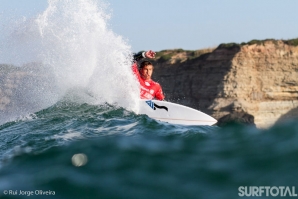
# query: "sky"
188, 24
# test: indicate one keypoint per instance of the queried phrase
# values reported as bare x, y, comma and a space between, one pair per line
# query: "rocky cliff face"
263, 77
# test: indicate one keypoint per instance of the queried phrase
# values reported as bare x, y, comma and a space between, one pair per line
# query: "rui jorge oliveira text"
29, 193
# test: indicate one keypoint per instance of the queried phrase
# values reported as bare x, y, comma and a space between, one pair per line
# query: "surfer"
149, 88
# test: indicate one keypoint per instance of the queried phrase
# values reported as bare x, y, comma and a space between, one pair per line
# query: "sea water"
74, 134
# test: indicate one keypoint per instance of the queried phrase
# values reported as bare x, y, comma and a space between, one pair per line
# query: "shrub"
165, 57
229, 45
292, 42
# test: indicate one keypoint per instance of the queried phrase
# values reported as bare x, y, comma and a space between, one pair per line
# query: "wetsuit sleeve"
138, 56
159, 94
135, 69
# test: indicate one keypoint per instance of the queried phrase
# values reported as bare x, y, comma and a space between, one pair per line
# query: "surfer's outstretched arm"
146, 54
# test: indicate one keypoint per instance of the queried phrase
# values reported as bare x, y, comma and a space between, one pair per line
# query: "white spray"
76, 51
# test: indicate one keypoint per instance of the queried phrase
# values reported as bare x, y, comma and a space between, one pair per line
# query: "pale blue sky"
188, 24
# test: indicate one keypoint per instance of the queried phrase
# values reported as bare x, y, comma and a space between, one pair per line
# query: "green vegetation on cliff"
292, 42
229, 45
180, 55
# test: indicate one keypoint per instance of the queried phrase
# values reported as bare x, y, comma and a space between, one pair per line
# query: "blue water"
133, 156
69, 130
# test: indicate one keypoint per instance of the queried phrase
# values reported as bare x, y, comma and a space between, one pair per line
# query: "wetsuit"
149, 88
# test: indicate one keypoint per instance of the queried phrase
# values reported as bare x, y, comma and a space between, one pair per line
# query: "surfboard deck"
174, 113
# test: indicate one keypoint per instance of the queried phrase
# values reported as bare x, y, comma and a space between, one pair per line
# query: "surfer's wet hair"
145, 63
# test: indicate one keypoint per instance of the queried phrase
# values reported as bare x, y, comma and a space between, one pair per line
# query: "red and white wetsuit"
149, 88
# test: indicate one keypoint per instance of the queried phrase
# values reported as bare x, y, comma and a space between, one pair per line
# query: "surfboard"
174, 113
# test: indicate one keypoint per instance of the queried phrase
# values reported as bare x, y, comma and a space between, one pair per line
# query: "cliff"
260, 75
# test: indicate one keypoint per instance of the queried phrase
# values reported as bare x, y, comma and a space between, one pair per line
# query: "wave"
68, 47
133, 156
68, 121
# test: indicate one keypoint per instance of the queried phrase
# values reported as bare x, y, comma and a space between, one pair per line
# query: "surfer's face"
146, 72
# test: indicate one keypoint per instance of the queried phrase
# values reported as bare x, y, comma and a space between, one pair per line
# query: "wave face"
103, 151
68, 50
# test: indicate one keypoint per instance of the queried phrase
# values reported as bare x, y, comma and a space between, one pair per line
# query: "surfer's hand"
150, 54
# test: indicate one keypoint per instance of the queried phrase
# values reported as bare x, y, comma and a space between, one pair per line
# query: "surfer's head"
146, 70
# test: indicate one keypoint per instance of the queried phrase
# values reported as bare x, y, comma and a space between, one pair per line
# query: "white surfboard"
174, 113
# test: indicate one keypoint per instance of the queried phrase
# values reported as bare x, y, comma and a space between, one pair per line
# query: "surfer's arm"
139, 56
159, 94
145, 54
135, 69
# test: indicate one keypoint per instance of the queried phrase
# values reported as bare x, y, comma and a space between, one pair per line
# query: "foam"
71, 43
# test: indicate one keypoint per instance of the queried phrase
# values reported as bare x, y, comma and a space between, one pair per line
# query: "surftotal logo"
283, 191
154, 106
